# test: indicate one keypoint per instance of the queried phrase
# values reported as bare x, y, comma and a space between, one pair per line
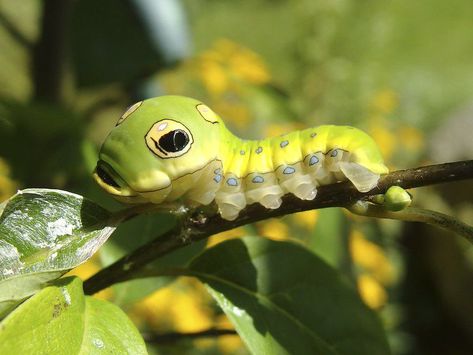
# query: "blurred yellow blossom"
384, 137
306, 219
226, 75
411, 138
371, 291
371, 257
226, 63
385, 101
274, 228
184, 306
242, 62
8, 187
213, 77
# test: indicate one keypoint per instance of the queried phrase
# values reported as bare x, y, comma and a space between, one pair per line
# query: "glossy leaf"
44, 233
283, 299
61, 320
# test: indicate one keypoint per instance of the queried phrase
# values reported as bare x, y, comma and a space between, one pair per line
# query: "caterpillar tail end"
363, 178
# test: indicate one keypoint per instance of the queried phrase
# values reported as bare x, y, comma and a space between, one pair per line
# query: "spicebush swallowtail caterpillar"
173, 148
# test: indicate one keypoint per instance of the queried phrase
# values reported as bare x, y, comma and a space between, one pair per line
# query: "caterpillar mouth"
110, 180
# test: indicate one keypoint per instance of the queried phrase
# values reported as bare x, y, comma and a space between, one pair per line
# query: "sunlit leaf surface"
61, 320
283, 299
44, 233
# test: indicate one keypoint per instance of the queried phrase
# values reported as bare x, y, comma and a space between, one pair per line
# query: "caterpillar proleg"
176, 149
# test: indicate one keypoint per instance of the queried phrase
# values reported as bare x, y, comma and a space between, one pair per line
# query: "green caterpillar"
174, 148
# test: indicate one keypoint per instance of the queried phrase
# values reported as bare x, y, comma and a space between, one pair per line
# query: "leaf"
44, 233
130, 49
327, 238
283, 299
61, 320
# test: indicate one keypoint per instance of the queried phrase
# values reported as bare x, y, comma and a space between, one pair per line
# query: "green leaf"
61, 320
283, 299
44, 233
130, 49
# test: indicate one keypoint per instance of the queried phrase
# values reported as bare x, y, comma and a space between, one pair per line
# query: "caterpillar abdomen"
295, 163
174, 148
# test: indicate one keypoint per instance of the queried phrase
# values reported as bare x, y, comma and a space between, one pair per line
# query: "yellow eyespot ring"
169, 139
128, 112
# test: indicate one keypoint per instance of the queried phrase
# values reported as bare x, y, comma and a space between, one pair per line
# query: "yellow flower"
243, 63
226, 64
274, 228
213, 76
385, 101
182, 307
371, 257
411, 138
307, 219
384, 137
371, 291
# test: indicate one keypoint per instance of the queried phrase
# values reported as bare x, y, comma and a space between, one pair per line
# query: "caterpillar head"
154, 144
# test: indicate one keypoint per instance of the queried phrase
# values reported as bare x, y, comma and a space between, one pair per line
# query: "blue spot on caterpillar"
313, 160
283, 144
232, 182
289, 170
258, 179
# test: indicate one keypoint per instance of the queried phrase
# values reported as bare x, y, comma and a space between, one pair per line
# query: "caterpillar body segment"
174, 148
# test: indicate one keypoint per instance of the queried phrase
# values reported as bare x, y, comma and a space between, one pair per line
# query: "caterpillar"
176, 149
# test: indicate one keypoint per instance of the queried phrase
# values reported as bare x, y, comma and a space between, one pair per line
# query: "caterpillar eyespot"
176, 149
168, 139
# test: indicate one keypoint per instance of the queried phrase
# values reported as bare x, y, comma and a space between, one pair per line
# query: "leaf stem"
411, 214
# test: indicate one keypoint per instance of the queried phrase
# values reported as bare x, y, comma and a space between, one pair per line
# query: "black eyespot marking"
169, 139
174, 141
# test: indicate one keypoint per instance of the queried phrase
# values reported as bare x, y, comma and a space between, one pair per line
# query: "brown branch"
198, 227
172, 337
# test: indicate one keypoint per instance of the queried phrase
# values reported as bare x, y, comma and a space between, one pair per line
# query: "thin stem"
411, 214
197, 226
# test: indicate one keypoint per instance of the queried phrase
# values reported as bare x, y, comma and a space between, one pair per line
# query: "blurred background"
401, 70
